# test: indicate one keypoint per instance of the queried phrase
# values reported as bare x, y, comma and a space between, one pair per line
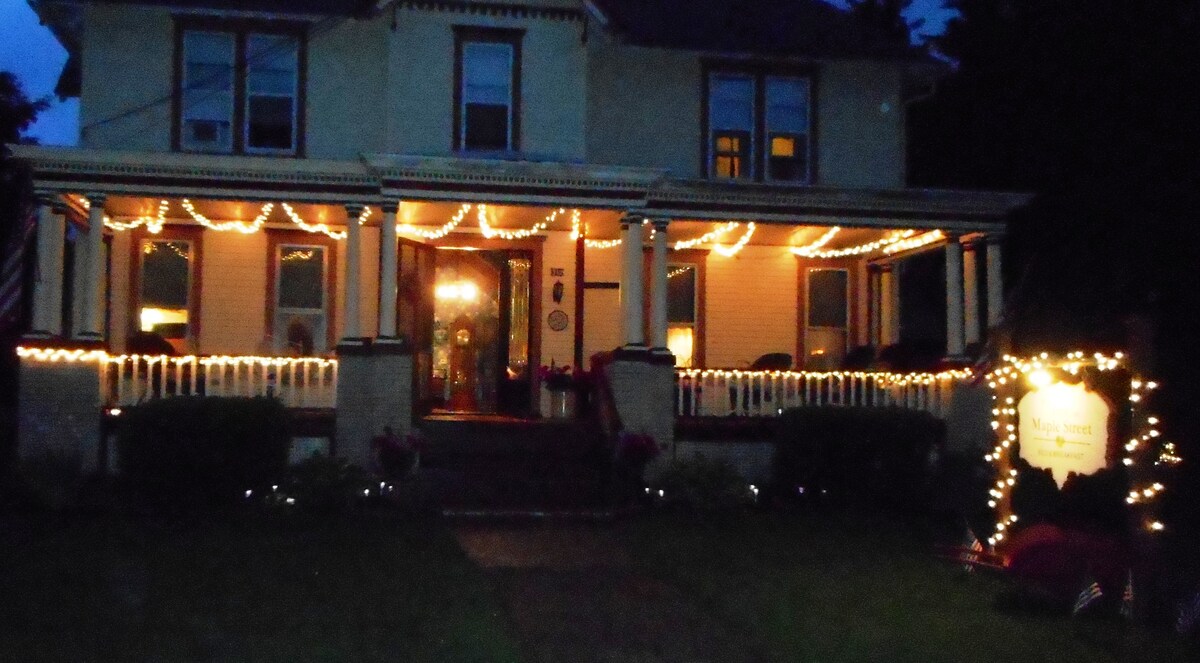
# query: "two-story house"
402, 206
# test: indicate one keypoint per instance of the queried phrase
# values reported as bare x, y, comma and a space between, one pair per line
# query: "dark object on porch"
859, 359
148, 343
195, 453
773, 361
911, 356
878, 457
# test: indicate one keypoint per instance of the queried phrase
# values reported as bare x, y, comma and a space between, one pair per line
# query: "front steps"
481, 464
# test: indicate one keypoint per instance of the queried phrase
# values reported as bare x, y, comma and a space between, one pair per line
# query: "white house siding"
118, 284
750, 306
127, 55
348, 90
558, 252
860, 126
602, 308
420, 76
233, 293
643, 107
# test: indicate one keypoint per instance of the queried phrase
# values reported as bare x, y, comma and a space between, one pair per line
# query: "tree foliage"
17, 111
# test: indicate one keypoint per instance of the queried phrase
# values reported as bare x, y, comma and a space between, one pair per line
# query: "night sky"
32, 52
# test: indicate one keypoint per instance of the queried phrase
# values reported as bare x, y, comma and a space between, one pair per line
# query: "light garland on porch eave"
737, 246
816, 249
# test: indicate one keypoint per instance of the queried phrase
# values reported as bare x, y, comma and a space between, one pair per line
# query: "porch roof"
376, 179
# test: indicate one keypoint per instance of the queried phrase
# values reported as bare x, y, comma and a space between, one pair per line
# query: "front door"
481, 332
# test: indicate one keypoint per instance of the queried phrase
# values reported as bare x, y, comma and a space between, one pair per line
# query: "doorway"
481, 341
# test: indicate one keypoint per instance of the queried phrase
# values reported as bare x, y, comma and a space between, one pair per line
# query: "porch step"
481, 463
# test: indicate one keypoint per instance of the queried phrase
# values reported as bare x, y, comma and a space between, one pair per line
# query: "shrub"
202, 452
702, 485
326, 485
860, 455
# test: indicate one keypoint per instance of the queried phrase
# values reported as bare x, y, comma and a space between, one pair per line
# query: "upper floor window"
487, 91
240, 91
758, 127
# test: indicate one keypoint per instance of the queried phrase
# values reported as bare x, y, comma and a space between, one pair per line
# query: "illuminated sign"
1064, 428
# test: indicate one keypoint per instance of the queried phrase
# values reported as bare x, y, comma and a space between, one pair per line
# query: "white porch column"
955, 342
352, 327
387, 273
995, 281
889, 306
47, 285
658, 293
971, 292
87, 298
632, 291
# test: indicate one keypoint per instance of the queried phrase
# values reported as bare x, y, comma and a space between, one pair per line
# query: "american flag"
1090, 594
1127, 597
975, 546
1189, 614
12, 271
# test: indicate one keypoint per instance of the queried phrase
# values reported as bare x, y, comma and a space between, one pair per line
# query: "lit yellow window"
782, 146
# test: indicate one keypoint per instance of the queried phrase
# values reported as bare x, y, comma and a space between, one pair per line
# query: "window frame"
853, 268
276, 239
192, 235
759, 159
241, 30
464, 34
698, 259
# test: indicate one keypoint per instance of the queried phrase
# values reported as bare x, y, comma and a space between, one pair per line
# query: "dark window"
487, 98
240, 91
759, 127
827, 298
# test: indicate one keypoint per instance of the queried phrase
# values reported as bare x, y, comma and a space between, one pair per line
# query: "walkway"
572, 593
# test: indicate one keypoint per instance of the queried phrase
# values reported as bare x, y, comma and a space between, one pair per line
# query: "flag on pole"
973, 548
1189, 615
1090, 594
1127, 597
12, 271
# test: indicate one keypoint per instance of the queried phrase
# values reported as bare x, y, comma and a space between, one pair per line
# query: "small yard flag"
975, 548
1127, 597
1189, 615
12, 271
1090, 594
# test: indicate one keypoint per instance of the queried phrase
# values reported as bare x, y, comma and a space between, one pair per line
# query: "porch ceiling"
600, 224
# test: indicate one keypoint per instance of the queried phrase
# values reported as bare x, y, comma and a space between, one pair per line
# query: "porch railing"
721, 393
298, 382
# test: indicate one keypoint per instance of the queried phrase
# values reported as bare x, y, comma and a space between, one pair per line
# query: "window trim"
697, 258
277, 238
852, 267
470, 33
169, 233
241, 28
759, 71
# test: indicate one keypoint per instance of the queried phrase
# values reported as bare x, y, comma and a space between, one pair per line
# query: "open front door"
414, 314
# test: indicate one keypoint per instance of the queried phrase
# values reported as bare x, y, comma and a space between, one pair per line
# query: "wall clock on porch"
557, 320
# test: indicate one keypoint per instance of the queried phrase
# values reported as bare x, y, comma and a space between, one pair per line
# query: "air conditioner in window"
205, 131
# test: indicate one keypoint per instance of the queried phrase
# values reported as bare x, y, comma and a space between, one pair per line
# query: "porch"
248, 278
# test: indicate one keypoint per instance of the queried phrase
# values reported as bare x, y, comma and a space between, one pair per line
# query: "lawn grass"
849, 589
260, 588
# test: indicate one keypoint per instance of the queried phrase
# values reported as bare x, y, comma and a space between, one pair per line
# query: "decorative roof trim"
379, 177
501, 9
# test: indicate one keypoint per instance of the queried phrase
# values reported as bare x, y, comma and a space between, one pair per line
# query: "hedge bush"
702, 485
874, 456
189, 452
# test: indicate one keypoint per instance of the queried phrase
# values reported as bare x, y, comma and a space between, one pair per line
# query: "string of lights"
1144, 443
440, 232
737, 246
816, 250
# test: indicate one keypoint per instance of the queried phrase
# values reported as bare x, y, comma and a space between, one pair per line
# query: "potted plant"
560, 382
